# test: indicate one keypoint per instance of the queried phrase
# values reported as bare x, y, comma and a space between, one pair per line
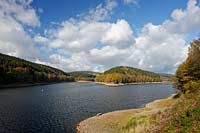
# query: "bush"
192, 86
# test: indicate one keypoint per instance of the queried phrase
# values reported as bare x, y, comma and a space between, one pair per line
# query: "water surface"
59, 107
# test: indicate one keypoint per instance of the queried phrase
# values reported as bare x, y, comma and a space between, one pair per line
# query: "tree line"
124, 74
16, 70
84, 75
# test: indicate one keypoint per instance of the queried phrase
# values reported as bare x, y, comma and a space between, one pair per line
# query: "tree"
188, 73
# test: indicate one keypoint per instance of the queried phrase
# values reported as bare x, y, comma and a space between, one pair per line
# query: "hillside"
125, 74
15, 70
166, 76
84, 75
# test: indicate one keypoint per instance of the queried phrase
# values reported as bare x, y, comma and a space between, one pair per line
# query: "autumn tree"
188, 73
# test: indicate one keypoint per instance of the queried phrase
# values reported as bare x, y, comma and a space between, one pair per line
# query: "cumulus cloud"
92, 43
184, 21
108, 55
19, 10
14, 40
160, 48
84, 35
119, 34
76, 62
78, 36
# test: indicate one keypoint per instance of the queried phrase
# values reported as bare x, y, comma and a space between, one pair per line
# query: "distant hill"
166, 76
84, 75
125, 74
15, 70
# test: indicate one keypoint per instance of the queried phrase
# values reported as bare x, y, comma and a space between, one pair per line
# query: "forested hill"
166, 76
16, 70
125, 74
84, 75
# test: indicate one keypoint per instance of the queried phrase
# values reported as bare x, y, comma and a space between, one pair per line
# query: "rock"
99, 114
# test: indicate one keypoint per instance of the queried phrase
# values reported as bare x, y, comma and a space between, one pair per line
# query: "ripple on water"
61, 106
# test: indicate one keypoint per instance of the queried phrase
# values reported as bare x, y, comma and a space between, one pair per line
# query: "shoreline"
122, 84
80, 81
83, 81
29, 85
116, 120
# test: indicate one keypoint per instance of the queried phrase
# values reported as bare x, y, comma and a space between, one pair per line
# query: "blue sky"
137, 15
99, 34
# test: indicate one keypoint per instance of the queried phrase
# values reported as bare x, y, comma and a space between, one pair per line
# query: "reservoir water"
59, 107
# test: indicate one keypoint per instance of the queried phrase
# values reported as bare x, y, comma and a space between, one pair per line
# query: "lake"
59, 107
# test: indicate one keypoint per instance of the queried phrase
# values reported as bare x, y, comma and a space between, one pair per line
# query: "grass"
137, 121
182, 116
146, 119
187, 115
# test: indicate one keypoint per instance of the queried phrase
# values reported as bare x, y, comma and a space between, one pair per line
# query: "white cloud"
84, 35
119, 34
159, 48
108, 55
130, 1
78, 36
41, 39
92, 43
76, 62
184, 21
101, 12
20, 10
14, 40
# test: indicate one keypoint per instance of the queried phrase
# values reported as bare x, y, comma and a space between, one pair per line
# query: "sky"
75, 35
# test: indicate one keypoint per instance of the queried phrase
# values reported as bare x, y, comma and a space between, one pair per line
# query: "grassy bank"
180, 113
184, 116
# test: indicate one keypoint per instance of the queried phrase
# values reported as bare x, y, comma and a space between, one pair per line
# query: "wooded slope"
16, 70
125, 74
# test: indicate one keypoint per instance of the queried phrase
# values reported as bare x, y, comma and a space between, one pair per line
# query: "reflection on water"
59, 107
